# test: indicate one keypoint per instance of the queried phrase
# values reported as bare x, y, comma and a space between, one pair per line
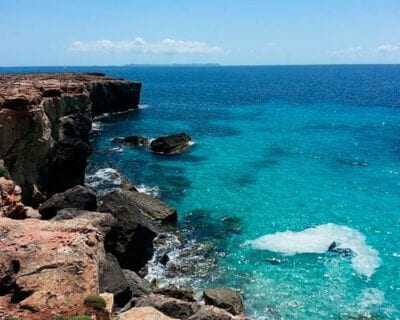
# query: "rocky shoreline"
64, 251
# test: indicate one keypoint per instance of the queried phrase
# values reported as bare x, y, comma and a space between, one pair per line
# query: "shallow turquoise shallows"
288, 162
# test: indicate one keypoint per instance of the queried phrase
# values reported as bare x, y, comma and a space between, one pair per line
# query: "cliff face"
45, 121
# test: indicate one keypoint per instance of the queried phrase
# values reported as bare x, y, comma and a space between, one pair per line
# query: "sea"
290, 192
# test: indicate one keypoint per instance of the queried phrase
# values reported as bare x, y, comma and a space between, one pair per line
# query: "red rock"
48, 267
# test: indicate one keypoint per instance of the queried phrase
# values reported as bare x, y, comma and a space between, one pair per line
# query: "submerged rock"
78, 197
136, 141
172, 144
224, 298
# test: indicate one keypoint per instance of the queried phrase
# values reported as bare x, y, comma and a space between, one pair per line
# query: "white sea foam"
97, 126
143, 106
317, 240
191, 143
107, 114
104, 180
151, 191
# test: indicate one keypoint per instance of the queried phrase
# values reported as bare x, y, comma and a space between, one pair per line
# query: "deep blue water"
310, 149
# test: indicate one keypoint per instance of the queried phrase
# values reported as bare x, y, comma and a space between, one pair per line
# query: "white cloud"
139, 45
361, 52
354, 51
388, 48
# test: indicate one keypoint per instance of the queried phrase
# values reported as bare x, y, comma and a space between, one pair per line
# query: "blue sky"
97, 32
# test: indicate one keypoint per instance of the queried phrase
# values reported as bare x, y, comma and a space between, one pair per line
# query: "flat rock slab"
143, 313
48, 267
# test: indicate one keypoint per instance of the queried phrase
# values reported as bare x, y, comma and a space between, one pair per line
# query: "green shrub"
57, 317
4, 173
94, 300
81, 318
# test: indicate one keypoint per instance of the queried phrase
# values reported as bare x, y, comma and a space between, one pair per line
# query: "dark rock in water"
78, 197
112, 280
164, 259
224, 298
171, 307
131, 241
273, 261
334, 247
232, 224
139, 287
136, 141
171, 144
181, 293
353, 162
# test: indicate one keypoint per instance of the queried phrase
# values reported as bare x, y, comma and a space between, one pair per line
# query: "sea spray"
318, 240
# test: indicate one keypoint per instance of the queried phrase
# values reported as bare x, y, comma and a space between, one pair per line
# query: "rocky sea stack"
66, 253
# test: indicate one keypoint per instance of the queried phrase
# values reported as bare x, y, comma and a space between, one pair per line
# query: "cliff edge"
45, 121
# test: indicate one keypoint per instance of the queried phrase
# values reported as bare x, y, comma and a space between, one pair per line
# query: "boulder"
113, 280
131, 240
48, 267
139, 287
214, 313
136, 141
143, 313
169, 306
152, 208
182, 293
224, 298
10, 200
172, 144
78, 197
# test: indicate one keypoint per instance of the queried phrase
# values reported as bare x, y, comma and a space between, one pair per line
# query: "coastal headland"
66, 252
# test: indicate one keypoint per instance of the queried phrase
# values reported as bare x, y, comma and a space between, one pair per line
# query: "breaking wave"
318, 240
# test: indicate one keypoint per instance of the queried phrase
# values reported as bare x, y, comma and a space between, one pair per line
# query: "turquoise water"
277, 149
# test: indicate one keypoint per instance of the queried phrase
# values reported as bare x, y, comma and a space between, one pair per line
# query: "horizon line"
197, 65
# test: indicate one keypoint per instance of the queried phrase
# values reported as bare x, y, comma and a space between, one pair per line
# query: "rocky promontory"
45, 121
65, 252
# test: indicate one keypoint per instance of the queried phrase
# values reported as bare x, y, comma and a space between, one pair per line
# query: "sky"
235, 32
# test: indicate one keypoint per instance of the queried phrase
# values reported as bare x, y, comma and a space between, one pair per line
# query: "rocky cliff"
45, 121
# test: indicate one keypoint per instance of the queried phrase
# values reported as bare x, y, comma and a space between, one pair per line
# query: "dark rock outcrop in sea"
136, 141
45, 121
172, 144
